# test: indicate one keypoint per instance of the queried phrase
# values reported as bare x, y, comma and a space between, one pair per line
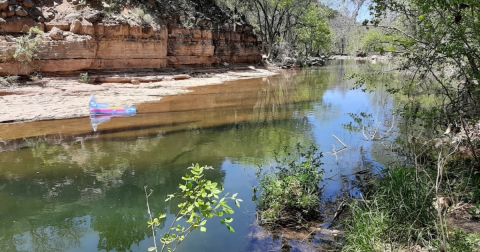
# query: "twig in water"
339, 211
340, 141
363, 131
342, 149
151, 220
376, 130
307, 236
391, 127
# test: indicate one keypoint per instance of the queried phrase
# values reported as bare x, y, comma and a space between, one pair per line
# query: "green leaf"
228, 220
237, 203
152, 248
203, 229
203, 223
230, 228
235, 195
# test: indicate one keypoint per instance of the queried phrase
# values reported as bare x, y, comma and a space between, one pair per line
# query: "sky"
363, 14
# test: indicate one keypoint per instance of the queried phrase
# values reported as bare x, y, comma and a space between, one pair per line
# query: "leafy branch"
202, 202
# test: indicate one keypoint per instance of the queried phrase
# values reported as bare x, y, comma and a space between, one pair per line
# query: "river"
64, 187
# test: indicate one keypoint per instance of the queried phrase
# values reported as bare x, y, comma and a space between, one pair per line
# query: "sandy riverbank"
65, 97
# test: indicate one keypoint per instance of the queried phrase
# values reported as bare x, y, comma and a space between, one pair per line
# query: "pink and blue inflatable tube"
97, 108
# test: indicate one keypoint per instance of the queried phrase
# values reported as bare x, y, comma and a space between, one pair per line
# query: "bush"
290, 191
201, 202
26, 50
84, 78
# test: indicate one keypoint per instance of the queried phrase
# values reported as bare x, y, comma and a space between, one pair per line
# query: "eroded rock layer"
86, 40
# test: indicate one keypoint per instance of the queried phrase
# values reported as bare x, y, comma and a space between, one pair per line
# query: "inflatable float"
97, 108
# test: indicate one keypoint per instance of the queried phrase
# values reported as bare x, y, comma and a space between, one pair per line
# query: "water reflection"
85, 192
96, 120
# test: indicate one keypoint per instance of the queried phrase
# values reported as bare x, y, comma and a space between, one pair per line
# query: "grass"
400, 215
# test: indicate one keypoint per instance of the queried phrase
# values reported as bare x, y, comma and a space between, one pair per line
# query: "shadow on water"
84, 192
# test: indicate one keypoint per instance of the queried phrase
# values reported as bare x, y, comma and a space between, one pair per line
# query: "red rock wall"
75, 44
236, 43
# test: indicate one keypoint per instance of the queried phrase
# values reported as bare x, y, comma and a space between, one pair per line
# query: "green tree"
313, 31
439, 39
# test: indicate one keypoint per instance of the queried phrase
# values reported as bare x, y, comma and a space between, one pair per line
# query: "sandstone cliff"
80, 37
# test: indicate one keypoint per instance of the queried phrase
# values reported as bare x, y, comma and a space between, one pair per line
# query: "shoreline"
56, 98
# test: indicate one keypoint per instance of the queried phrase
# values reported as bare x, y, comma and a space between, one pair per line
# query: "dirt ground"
66, 97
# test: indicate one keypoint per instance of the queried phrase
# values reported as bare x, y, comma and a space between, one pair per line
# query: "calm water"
85, 192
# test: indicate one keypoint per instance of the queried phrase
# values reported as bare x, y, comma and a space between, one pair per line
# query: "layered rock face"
80, 41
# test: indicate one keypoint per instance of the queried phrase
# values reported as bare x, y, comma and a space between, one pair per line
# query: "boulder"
93, 17
36, 12
48, 15
21, 12
3, 4
87, 28
56, 34
28, 3
72, 16
361, 54
76, 27
10, 11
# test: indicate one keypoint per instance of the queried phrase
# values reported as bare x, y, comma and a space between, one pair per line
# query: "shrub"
141, 17
202, 202
26, 50
84, 78
9, 81
291, 191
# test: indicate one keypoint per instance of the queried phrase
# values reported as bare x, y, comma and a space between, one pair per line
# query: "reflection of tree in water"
108, 186
124, 223
289, 92
38, 235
